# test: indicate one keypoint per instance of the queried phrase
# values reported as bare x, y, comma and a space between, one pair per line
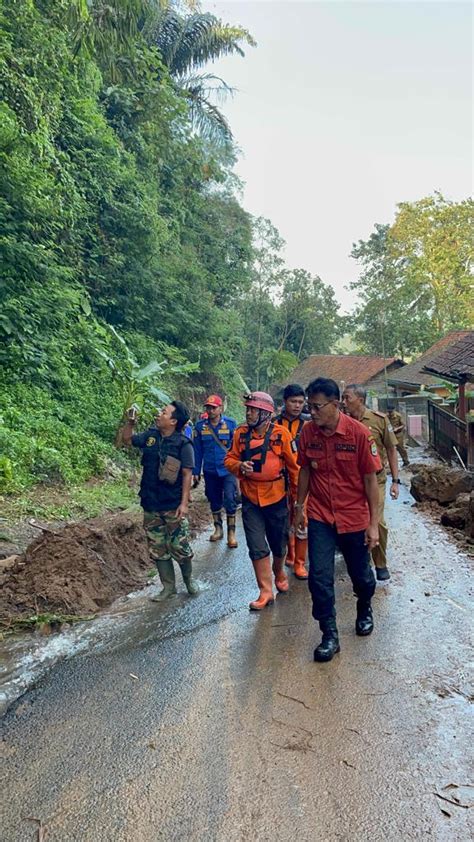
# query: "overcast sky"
343, 110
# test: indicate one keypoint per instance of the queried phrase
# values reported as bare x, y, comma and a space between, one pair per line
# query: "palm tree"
108, 29
104, 28
186, 43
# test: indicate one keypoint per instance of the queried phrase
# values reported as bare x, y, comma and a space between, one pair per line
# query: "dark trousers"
265, 527
221, 491
322, 542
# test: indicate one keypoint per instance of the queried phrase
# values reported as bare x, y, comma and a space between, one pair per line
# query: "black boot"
329, 645
382, 573
365, 618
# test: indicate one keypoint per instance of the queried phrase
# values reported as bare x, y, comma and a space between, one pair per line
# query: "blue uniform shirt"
208, 454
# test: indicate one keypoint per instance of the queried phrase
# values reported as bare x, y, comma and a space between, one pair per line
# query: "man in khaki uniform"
396, 421
354, 398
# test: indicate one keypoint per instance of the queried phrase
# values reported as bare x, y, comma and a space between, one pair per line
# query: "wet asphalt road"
230, 732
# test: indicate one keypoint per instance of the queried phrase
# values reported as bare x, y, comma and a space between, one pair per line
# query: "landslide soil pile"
448, 495
81, 568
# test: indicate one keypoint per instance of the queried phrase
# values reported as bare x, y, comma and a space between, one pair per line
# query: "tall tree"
416, 277
387, 317
308, 315
433, 239
189, 42
259, 307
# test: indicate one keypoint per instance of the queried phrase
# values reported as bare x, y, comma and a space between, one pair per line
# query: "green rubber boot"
187, 571
167, 577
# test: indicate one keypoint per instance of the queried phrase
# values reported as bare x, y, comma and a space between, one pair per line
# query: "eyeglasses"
318, 406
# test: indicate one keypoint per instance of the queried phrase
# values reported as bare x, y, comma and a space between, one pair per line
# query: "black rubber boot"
365, 618
382, 573
329, 645
192, 586
166, 573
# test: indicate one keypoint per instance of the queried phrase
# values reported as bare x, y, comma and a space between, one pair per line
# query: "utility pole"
383, 354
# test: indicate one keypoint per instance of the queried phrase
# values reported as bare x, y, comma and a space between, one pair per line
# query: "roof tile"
415, 374
456, 362
351, 368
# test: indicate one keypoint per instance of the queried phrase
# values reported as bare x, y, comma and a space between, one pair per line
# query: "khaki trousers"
379, 554
402, 449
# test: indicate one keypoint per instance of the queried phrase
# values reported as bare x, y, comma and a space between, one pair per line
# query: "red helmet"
260, 400
213, 400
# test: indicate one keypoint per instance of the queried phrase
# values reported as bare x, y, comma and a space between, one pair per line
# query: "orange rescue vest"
265, 452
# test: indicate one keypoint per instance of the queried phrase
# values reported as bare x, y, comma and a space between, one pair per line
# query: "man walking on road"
354, 399
212, 439
291, 418
396, 421
167, 461
261, 452
339, 462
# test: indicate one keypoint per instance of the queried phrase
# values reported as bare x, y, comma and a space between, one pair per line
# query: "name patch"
348, 448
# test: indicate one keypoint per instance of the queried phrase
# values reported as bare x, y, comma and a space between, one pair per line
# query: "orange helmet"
260, 400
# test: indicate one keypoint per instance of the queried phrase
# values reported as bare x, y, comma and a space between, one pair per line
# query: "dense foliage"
118, 210
129, 267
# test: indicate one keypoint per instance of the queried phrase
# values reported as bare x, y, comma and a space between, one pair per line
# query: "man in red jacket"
339, 463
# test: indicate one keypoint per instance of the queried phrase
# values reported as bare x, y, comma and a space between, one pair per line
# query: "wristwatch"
396, 482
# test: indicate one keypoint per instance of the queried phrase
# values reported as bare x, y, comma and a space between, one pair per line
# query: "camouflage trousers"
168, 536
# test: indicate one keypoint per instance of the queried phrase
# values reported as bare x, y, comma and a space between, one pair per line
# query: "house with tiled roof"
417, 377
370, 371
456, 364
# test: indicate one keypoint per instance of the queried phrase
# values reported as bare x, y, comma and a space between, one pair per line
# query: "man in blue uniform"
212, 439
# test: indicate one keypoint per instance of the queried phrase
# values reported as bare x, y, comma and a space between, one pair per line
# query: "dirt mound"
77, 570
81, 568
440, 484
457, 513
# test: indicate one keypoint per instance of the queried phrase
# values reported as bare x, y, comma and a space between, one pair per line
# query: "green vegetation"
128, 263
72, 502
130, 270
416, 281
45, 623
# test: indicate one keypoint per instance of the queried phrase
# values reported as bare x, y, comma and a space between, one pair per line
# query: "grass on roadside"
90, 499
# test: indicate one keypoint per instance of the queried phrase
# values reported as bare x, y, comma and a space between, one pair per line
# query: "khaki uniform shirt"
396, 420
382, 431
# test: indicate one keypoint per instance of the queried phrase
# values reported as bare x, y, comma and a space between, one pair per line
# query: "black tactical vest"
155, 495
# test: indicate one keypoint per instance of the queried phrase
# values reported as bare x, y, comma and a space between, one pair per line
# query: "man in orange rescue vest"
261, 451
293, 419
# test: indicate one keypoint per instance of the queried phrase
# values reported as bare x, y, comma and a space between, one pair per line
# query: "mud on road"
81, 568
